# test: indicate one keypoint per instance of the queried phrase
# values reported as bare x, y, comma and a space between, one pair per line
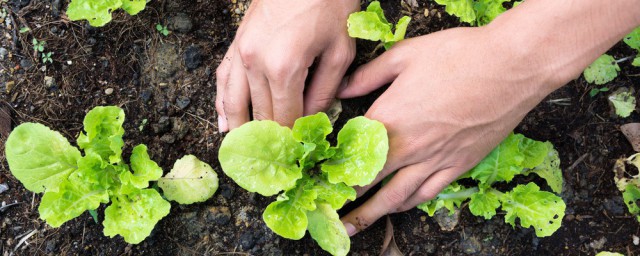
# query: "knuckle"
248, 55
426, 193
394, 196
279, 70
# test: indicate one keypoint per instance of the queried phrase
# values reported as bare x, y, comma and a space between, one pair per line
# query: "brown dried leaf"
632, 132
389, 247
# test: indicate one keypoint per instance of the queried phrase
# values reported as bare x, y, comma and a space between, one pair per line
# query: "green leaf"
133, 7
326, 228
534, 152
367, 25
450, 198
602, 71
502, 164
549, 169
313, 130
484, 204
144, 169
75, 196
487, 10
361, 152
190, 181
463, 9
633, 39
399, 34
624, 102
39, 157
134, 215
261, 156
98, 13
609, 254
631, 197
540, 209
636, 62
287, 217
103, 133
335, 195
374, 7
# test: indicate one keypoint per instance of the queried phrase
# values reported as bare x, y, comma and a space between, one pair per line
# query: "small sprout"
38, 46
162, 29
24, 30
596, 91
602, 71
46, 57
142, 124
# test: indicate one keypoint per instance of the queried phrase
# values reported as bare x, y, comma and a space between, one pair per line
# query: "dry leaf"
632, 132
389, 247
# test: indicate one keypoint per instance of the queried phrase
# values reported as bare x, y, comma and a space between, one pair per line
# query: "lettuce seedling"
602, 71
475, 12
44, 161
373, 25
633, 41
264, 157
516, 155
98, 12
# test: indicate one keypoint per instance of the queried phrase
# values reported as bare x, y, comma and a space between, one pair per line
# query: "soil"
166, 85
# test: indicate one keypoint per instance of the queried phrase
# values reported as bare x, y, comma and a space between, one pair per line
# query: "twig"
575, 164
561, 101
24, 239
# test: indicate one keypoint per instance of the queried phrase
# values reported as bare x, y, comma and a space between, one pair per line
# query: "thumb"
371, 76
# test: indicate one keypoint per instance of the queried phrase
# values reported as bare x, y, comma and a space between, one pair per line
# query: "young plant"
38, 46
44, 161
475, 12
46, 57
633, 41
516, 155
623, 101
630, 187
596, 91
602, 71
372, 25
264, 157
98, 12
162, 29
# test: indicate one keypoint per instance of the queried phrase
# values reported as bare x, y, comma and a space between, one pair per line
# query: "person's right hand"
268, 61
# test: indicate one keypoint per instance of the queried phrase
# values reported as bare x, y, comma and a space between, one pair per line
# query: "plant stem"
462, 194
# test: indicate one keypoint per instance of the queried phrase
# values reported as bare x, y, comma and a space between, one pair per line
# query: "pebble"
168, 138
49, 82
181, 23
162, 126
145, 95
192, 57
91, 41
26, 63
3, 187
219, 215
50, 246
247, 240
108, 91
636, 240
447, 222
179, 128
226, 191
3, 53
598, 244
183, 102
471, 245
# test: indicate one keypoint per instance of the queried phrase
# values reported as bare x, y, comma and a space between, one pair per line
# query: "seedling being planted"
98, 12
44, 161
373, 25
313, 178
516, 155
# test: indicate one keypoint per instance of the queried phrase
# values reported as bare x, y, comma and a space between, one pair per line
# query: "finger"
222, 77
430, 188
236, 98
371, 76
287, 96
260, 96
387, 200
321, 92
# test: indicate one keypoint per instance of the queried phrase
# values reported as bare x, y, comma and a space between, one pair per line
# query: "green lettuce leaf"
134, 215
633, 39
326, 228
361, 153
261, 156
103, 133
190, 181
98, 13
602, 71
463, 9
144, 169
335, 195
450, 198
487, 10
534, 152
624, 101
399, 34
540, 209
39, 157
312, 131
368, 25
502, 164
484, 204
133, 7
631, 196
287, 217
549, 169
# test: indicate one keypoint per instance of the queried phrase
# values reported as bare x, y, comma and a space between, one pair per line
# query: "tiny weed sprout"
475, 12
596, 91
372, 25
516, 155
44, 161
46, 57
264, 157
38, 46
98, 12
162, 29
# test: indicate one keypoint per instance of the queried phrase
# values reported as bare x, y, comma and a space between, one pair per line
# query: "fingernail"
222, 124
351, 229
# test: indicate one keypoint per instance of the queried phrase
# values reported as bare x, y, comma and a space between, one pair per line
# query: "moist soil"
166, 86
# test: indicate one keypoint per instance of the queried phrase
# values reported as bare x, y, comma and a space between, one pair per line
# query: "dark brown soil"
129, 64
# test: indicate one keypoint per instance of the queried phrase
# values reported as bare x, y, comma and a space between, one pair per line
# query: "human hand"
455, 95
268, 61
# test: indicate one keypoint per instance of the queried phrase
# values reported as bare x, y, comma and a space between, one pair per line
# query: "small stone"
598, 244
247, 240
69, 62
168, 138
238, 11
54, 29
179, 128
219, 215
50, 246
226, 191
162, 126
108, 91
26, 63
3, 53
3, 187
145, 95
636, 240
426, 12
471, 245
181, 23
183, 102
447, 222
49, 82
9, 85
192, 57
91, 41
